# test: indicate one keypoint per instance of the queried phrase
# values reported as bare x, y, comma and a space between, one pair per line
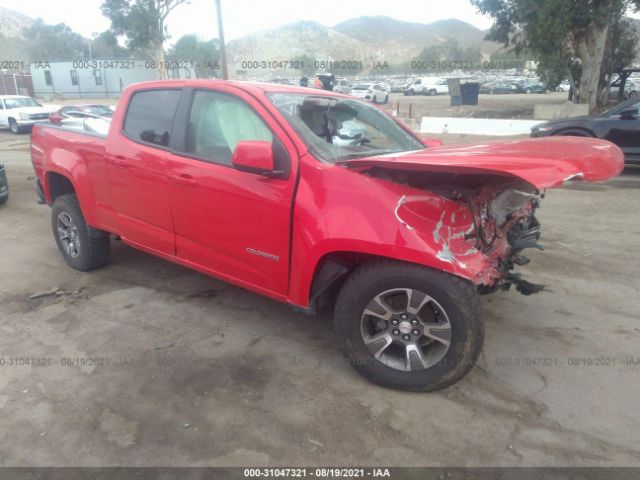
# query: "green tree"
143, 24
205, 55
52, 43
557, 31
106, 46
620, 51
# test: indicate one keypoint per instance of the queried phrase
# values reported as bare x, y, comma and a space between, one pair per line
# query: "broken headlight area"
506, 226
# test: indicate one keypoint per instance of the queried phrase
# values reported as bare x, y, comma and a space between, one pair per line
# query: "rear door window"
150, 115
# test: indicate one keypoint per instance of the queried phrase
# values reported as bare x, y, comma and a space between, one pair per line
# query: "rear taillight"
55, 118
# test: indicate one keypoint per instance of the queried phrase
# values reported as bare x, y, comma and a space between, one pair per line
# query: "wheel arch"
334, 267
579, 130
57, 184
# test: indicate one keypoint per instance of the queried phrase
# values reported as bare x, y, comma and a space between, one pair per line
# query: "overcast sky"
247, 16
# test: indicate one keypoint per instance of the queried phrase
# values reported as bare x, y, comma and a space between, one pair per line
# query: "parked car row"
512, 86
19, 113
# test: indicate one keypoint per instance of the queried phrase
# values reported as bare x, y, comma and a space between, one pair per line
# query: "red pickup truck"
315, 199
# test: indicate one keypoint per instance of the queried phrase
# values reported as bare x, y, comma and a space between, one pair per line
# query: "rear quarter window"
150, 115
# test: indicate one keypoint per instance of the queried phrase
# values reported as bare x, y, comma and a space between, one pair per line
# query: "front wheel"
83, 248
408, 327
13, 126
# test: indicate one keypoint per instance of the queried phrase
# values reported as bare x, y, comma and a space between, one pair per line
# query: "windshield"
20, 102
631, 104
337, 129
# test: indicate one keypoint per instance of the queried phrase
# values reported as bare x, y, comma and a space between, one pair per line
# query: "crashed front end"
473, 206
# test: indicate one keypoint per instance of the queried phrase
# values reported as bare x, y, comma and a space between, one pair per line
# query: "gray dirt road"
148, 363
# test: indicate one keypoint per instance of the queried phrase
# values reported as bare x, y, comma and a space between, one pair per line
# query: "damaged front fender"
482, 233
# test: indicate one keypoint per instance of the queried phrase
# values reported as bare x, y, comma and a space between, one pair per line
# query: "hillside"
364, 38
12, 23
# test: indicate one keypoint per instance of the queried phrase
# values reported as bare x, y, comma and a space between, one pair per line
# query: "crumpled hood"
542, 162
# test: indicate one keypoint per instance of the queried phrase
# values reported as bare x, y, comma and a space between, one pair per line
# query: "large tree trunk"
590, 49
160, 63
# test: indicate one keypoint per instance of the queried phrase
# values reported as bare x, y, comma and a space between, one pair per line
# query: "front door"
231, 223
625, 133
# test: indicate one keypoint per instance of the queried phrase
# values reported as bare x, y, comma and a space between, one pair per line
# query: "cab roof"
251, 87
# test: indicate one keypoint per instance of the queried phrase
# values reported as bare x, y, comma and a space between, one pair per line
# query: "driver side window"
218, 122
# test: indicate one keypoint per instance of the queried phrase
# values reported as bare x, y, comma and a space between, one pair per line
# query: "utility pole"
223, 51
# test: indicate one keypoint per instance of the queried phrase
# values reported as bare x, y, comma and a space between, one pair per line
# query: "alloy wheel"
406, 329
68, 234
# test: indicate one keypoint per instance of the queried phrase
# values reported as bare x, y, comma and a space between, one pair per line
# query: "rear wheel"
433, 93
408, 327
83, 248
386, 98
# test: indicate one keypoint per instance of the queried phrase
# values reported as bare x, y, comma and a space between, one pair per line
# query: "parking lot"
148, 363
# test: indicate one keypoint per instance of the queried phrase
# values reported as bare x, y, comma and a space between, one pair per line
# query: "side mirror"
629, 114
255, 157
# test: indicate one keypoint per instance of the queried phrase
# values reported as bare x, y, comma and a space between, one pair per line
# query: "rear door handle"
118, 161
184, 179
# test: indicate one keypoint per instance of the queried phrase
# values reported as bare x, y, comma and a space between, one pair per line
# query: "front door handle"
184, 179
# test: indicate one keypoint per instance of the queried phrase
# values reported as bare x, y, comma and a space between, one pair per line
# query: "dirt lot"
148, 363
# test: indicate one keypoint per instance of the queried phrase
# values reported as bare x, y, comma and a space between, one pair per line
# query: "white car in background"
428, 86
342, 86
19, 113
370, 91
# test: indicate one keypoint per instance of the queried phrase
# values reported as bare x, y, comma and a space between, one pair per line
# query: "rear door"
231, 223
137, 158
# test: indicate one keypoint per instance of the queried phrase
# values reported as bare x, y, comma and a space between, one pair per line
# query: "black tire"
432, 93
457, 297
528, 91
93, 246
409, 93
4, 199
386, 99
13, 126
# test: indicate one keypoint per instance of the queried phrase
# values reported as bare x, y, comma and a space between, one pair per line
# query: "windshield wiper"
370, 153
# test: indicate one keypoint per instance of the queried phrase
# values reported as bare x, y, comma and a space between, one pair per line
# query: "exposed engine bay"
502, 210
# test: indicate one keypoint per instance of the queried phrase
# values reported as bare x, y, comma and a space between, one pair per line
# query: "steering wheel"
361, 141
